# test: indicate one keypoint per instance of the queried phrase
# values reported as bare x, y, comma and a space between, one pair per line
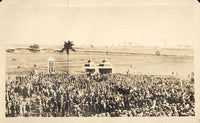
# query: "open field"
136, 60
117, 95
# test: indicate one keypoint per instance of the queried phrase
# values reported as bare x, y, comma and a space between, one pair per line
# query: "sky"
102, 22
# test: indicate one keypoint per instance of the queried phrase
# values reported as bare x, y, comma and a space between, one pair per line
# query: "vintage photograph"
98, 58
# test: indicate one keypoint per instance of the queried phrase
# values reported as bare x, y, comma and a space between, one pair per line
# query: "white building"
90, 68
105, 67
51, 65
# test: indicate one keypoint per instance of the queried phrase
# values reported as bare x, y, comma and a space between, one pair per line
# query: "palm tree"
68, 46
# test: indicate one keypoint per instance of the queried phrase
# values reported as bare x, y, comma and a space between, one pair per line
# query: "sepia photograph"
98, 58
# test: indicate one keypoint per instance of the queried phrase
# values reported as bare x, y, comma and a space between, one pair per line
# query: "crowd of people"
116, 95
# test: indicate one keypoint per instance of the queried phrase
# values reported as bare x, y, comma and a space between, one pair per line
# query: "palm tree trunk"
68, 63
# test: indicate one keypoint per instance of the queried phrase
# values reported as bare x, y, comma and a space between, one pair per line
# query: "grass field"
142, 60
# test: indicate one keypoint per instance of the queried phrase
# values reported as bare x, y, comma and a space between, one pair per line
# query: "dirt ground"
136, 60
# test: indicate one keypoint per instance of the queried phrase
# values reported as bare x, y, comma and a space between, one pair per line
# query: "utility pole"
67, 3
165, 43
90, 49
106, 52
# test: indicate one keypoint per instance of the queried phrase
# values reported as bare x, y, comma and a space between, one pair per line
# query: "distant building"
10, 50
57, 50
157, 53
188, 46
34, 48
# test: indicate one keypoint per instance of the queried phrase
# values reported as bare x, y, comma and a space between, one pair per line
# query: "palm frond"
62, 49
67, 46
73, 49
70, 43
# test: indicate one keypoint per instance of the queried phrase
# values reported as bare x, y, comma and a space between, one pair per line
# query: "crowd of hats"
62, 95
